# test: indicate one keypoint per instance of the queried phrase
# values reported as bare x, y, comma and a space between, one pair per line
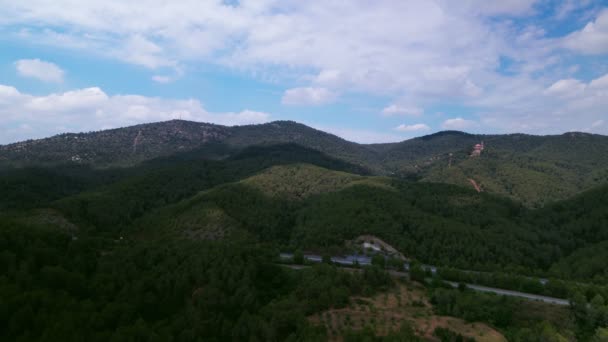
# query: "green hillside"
184, 245
163, 181
535, 170
301, 198
307, 207
300, 181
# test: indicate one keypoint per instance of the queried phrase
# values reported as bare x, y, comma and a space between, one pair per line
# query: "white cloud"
423, 52
41, 70
592, 39
458, 124
70, 100
599, 83
391, 47
91, 109
597, 124
503, 7
162, 79
244, 117
565, 106
308, 96
412, 128
142, 51
7, 93
567, 87
402, 110
361, 136
329, 77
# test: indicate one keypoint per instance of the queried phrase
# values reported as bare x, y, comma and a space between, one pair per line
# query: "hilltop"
129, 146
533, 169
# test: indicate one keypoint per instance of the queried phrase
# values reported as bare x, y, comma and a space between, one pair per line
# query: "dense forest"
184, 247
55, 287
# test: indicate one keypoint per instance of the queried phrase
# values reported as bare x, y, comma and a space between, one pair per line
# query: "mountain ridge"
278, 122
535, 169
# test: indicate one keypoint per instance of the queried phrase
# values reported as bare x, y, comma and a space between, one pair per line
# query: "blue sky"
387, 72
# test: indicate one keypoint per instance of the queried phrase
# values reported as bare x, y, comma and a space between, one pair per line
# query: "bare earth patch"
387, 311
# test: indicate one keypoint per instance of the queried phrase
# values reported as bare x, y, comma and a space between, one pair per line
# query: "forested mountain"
183, 246
307, 207
533, 169
131, 145
301, 198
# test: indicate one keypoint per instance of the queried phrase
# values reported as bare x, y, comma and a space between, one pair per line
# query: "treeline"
164, 181
37, 187
547, 287
434, 223
523, 320
55, 286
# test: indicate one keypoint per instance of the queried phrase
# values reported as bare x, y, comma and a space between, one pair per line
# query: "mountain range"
532, 169
153, 230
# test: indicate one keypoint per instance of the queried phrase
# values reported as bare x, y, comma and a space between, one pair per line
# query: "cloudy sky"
369, 71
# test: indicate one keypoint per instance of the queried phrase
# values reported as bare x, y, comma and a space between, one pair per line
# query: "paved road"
364, 260
550, 300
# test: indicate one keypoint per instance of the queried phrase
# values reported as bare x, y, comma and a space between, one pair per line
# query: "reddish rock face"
477, 150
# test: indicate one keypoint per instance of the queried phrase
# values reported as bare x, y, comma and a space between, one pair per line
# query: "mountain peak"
445, 133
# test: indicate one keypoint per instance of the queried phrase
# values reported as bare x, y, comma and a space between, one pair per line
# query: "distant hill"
131, 145
166, 180
297, 197
532, 169
309, 207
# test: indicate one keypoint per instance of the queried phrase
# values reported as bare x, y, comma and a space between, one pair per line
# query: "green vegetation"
55, 287
184, 246
535, 170
523, 320
167, 180
436, 224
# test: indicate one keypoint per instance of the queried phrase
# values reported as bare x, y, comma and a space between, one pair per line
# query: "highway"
546, 299
352, 260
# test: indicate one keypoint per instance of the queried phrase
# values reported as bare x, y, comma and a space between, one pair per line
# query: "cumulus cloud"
458, 124
391, 47
567, 87
394, 109
412, 128
41, 70
504, 7
595, 87
7, 93
593, 38
308, 96
26, 116
599, 83
469, 53
162, 79
566, 105
244, 117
